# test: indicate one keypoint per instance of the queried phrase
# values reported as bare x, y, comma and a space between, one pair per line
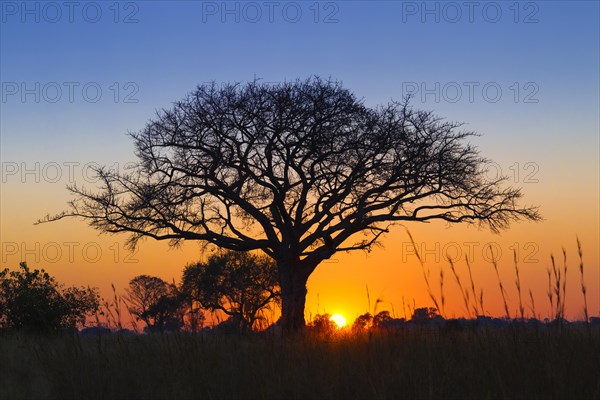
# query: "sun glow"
339, 320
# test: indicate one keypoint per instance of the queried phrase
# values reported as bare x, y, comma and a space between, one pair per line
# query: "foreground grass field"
481, 363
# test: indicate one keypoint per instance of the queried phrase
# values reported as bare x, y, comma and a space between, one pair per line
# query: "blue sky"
543, 57
373, 47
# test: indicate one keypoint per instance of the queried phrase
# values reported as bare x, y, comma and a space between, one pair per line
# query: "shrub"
34, 301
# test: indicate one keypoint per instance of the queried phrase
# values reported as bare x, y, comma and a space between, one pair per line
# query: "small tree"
240, 284
144, 292
34, 301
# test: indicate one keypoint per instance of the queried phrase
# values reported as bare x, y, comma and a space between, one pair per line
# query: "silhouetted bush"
362, 322
35, 301
322, 324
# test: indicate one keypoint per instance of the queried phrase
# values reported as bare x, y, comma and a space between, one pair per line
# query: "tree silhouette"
159, 304
34, 301
322, 324
381, 318
363, 322
240, 284
425, 314
299, 170
143, 292
166, 314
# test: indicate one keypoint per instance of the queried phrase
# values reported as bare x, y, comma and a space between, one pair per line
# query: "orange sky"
76, 255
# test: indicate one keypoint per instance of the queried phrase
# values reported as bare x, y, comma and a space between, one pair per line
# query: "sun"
339, 320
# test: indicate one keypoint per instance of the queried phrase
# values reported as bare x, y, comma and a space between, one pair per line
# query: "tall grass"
427, 274
412, 364
518, 284
464, 293
481, 310
473, 300
533, 310
502, 290
583, 287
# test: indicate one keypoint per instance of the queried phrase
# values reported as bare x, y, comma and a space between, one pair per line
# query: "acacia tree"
298, 170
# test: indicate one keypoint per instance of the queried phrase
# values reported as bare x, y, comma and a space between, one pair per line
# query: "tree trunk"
293, 297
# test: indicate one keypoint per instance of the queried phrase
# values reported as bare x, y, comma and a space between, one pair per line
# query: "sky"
78, 76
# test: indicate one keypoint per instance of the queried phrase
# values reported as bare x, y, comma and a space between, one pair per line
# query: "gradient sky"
524, 75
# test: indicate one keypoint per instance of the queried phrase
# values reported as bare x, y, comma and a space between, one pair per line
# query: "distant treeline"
241, 286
